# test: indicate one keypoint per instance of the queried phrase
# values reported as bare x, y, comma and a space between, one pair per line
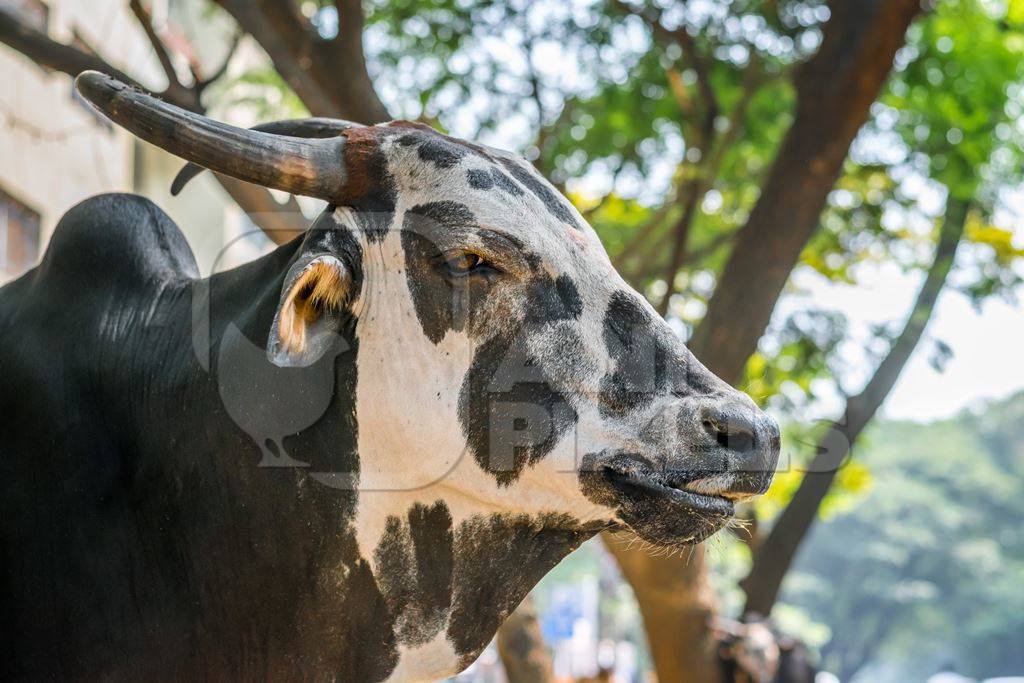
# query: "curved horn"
298, 128
314, 168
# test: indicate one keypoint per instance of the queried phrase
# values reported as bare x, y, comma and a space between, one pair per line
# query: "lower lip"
700, 502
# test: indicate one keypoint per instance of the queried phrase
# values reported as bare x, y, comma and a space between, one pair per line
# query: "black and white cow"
349, 459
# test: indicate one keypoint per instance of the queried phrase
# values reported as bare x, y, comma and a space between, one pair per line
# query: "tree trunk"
775, 555
676, 603
328, 74
835, 90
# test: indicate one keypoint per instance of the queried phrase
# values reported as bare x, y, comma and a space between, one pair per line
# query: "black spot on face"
505, 183
441, 151
480, 180
511, 413
642, 365
485, 180
552, 202
558, 300
415, 563
443, 213
440, 304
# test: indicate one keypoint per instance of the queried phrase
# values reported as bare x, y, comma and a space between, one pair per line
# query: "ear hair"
307, 317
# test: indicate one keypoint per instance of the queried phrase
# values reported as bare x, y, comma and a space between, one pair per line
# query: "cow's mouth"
662, 507
672, 487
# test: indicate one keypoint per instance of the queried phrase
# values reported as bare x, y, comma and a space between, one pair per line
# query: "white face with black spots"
505, 367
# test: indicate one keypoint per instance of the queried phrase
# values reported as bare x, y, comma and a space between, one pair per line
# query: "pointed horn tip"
178, 184
97, 87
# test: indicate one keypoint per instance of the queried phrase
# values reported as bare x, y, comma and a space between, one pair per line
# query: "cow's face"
503, 364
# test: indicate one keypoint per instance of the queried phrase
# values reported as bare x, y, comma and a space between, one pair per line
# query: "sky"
987, 343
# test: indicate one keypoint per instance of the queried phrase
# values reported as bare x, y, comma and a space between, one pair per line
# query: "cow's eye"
464, 263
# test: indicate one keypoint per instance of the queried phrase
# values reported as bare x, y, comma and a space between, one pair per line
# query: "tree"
834, 90
774, 554
959, 150
921, 572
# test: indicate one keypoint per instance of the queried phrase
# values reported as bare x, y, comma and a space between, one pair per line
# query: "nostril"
730, 431
741, 442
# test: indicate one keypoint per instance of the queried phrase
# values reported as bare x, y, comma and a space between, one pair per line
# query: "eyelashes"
457, 264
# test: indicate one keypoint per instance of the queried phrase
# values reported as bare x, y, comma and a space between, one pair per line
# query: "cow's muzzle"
728, 453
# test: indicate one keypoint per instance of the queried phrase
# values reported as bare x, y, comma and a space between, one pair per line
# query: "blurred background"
824, 198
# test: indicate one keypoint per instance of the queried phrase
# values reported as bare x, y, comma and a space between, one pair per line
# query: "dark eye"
463, 263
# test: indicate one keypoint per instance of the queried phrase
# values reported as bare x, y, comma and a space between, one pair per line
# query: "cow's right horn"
309, 167
313, 127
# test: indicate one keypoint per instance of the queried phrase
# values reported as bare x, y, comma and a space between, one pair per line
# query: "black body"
140, 539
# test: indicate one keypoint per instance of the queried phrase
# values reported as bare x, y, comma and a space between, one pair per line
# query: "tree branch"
707, 171
279, 221
162, 55
203, 83
693, 258
680, 235
350, 21
835, 90
329, 76
692, 58
642, 240
776, 554
48, 53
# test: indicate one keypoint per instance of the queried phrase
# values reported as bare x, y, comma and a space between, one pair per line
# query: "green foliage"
925, 568
946, 125
263, 93
953, 94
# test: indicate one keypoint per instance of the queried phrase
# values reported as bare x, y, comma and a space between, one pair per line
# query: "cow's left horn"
309, 167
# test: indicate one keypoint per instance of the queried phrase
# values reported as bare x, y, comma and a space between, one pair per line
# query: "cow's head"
503, 364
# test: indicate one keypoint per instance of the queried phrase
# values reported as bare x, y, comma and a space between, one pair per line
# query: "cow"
349, 459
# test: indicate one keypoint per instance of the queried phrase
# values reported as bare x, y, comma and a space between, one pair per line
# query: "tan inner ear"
319, 290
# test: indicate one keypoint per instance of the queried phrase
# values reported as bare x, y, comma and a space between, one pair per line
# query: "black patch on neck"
366, 625
415, 561
297, 416
498, 559
552, 202
511, 413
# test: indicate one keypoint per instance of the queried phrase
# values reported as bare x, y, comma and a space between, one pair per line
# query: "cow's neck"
276, 551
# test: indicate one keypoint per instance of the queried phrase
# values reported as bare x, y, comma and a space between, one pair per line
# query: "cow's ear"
309, 313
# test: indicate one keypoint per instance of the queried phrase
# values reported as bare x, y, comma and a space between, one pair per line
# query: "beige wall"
54, 153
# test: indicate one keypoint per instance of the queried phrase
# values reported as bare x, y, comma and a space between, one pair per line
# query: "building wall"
55, 151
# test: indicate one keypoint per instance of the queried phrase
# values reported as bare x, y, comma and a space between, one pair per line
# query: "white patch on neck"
433, 661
